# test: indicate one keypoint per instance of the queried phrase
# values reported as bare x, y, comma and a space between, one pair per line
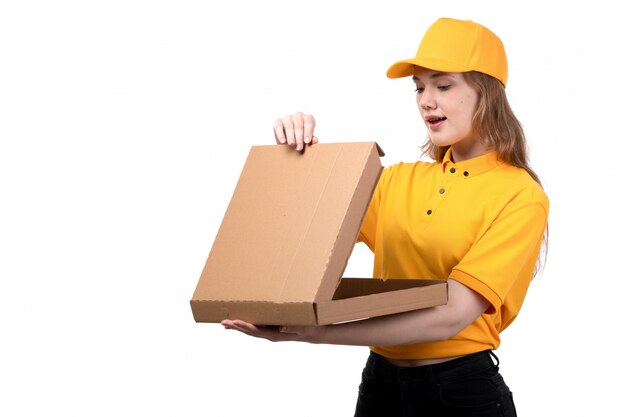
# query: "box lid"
291, 224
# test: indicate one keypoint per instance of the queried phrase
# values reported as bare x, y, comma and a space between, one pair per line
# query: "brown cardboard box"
279, 255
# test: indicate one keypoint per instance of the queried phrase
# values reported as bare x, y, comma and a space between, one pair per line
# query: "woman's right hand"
295, 130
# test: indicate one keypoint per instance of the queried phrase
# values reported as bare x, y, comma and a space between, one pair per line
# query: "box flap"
358, 298
291, 224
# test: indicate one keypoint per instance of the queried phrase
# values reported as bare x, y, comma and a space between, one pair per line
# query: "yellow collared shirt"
479, 222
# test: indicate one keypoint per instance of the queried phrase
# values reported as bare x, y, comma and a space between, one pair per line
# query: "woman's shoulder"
519, 182
409, 168
401, 173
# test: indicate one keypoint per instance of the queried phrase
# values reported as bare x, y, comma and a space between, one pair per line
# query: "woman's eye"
443, 87
418, 90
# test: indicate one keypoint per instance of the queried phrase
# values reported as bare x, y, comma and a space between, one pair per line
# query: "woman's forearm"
419, 326
427, 325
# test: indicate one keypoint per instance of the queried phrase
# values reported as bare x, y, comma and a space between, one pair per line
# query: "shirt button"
429, 212
466, 173
441, 191
453, 170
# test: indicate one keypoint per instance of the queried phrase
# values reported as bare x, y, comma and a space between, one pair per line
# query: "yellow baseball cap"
452, 45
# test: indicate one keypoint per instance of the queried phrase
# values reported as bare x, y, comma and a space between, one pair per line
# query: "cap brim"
406, 67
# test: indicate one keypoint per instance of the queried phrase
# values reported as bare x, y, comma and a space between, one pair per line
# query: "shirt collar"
470, 167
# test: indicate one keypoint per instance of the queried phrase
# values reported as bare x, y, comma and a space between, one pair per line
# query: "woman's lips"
436, 122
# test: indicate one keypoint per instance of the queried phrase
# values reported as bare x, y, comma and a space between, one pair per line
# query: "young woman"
476, 216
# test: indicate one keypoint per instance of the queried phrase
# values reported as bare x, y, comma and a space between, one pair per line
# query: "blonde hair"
494, 123
496, 126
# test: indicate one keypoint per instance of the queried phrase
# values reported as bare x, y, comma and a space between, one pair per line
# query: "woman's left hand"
276, 333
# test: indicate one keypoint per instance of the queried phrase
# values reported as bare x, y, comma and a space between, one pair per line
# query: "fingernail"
307, 139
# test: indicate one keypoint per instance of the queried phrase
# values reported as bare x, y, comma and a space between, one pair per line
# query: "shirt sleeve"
367, 234
507, 250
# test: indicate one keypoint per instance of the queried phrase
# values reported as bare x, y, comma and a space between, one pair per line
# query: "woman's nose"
426, 100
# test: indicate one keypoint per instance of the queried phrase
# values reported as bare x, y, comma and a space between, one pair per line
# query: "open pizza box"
285, 240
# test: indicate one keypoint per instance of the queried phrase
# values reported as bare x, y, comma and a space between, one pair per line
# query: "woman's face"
447, 104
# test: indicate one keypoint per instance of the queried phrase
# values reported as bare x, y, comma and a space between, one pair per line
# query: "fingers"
273, 333
240, 325
279, 131
295, 130
266, 332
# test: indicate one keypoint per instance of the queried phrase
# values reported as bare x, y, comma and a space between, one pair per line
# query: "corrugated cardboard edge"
270, 313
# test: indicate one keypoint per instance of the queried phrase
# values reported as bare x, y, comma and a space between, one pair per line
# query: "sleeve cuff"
478, 286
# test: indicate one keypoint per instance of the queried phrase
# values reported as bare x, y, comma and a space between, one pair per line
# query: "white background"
124, 126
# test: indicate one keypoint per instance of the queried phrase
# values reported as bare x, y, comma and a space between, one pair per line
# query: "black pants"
467, 386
